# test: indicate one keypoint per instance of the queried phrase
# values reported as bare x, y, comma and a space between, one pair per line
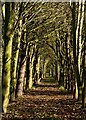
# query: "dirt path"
45, 101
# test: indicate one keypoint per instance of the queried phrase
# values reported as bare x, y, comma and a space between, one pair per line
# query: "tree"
1, 64
7, 55
22, 64
15, 55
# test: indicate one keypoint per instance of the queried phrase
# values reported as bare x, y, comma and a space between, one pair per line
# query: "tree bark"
32, 58
15, 62
8, 37
1, 64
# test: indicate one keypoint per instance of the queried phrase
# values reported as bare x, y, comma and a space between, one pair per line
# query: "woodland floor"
46, 101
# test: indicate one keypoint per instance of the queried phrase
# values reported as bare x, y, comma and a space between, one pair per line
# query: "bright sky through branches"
40, 0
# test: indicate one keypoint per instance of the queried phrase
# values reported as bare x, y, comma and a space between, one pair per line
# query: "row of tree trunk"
23, 63
20, 58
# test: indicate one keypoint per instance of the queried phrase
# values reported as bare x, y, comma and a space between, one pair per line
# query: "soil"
46, 101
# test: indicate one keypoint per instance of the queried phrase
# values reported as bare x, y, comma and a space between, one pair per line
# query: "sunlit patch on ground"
45, 101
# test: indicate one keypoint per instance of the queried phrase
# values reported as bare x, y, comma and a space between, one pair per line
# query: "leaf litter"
45, 101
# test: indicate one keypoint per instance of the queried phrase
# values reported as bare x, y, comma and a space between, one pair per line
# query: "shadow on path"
47, 103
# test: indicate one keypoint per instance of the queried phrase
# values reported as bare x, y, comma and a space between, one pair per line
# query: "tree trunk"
38, 70
27, 69
22, 67
84, 71
74, 31
21, 78
35, 74
56, 72
45, 67
1, 64
84, 79
8, 37
80, 50
15, 62
32, 58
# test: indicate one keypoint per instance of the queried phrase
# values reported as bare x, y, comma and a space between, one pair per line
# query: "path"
45, 101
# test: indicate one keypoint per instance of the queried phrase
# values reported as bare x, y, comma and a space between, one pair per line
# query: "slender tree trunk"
45, 66
56, 72
77, 29
35, 74
15, 62
21, 78
27, 69
32, 58
8, 37
84, 71
66, 72
75, 51
21, 74
22, 67
1, 64
77, 47
56, 63
38, 70
84, 78
80, 50
69, 60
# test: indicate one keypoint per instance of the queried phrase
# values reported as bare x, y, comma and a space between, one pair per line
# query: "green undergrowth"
62, 88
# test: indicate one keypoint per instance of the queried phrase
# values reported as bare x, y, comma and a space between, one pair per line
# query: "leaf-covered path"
45, 101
